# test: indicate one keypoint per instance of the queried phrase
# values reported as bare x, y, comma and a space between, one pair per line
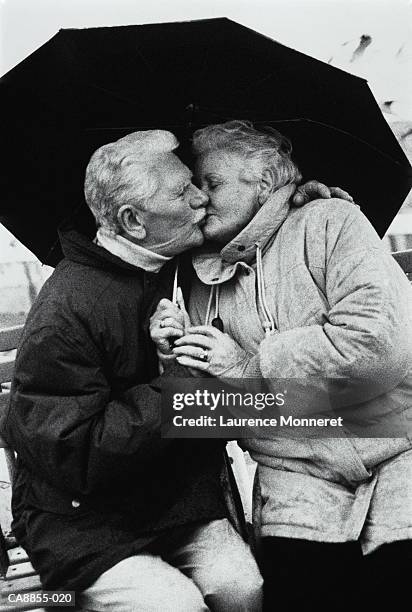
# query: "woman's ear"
266, 185
131, 223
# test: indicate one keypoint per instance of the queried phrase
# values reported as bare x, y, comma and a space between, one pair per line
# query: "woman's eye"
213, 186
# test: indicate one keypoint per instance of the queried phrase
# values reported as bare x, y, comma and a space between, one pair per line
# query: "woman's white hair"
124, 172
263, 149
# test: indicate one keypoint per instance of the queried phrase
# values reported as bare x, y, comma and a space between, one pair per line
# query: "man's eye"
213, 186
183, 191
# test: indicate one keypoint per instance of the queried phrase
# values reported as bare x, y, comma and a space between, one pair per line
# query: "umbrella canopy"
84, 88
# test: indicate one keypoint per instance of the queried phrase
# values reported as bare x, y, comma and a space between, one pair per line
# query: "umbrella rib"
219, 114
336, 129
144, 59
65, 219
117, 95
200, 75
112, 93
273, 73
134, 128
51, 249
321, 123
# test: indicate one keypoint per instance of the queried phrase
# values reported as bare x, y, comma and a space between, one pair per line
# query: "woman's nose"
199, 198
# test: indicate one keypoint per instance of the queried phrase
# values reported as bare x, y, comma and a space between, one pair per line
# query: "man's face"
174, 214
232, 196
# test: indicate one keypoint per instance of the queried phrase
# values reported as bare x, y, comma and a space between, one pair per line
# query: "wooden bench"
404, 259
18, 575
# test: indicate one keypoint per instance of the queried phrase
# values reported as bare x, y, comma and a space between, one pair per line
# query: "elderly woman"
299, 293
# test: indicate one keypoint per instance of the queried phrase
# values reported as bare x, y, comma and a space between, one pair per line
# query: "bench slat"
9, 337
4, 403
6, 369
4, 558
22, 607
20, 570
6, 607
17, 555
404, 259
21, 585
4, 400
11, 463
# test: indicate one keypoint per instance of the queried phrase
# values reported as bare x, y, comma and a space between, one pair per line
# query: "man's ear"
266, 185
131, 222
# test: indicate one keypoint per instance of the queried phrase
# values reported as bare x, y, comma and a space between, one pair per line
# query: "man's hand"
312, 190
168, 322
209, 350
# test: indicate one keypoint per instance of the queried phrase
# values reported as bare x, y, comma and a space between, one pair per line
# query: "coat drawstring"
216, 321
175, 285
209, 304
269, 322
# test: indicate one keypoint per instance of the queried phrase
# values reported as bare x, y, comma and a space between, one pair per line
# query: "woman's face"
232, 194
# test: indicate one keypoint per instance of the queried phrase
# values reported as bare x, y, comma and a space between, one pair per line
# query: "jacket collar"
130, 252
213, 267
80, 248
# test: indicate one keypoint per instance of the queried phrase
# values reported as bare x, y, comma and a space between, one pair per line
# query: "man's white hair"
124, 172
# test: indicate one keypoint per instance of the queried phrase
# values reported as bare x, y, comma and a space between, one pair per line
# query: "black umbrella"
84, 88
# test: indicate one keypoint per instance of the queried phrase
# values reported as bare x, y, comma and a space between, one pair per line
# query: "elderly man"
102, 504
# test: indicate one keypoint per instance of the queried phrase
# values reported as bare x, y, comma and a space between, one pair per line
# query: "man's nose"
199, 198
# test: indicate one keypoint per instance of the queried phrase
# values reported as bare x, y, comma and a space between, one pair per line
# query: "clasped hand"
203, 349
209, 350
168, 323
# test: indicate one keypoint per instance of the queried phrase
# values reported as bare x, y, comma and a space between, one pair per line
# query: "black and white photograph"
205, 305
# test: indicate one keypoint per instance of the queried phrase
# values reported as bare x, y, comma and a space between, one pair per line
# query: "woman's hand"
209, 350
167, 323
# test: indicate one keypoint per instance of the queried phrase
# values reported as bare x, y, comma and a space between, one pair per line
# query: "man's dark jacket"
95, 480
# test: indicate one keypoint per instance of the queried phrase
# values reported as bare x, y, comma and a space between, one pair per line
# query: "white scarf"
129, 251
